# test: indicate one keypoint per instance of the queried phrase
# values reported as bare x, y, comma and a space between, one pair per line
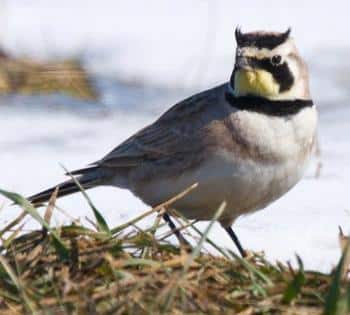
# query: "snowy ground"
163, 51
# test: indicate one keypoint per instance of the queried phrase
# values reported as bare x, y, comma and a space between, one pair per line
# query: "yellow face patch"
255, 82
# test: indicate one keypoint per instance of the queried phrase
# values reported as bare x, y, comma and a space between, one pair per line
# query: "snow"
181, 43
145, 56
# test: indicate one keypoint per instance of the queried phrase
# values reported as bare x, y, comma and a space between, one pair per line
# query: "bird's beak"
242, 63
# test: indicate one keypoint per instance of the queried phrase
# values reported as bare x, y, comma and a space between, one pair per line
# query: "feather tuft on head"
267, 40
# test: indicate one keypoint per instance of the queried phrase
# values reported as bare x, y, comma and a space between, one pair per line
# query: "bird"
245, 142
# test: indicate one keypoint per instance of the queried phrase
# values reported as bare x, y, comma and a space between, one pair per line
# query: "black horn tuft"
285, 35
238, 35
261, 39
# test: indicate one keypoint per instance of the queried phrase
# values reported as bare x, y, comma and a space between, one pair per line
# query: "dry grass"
30, 77
125, 270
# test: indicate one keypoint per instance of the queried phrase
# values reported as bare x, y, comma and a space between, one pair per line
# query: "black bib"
268, 107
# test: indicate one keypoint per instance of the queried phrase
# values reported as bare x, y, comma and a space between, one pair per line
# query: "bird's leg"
173, 227
236, 241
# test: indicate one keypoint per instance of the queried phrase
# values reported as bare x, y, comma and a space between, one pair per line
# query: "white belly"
244, 185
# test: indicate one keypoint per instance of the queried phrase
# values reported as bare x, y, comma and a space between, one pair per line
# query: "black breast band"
266, 106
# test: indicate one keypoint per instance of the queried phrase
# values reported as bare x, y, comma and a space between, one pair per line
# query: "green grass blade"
203, 238
13, 223
334, 294
209, 241
101, 222
60, 247
172, 292
16, 281
294, 287
251, 268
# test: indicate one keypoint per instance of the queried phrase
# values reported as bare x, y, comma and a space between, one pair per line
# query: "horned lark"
245, 142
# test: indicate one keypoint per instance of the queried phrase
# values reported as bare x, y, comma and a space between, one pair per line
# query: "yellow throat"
255, 82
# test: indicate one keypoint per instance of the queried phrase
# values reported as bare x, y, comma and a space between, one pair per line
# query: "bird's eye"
276, 60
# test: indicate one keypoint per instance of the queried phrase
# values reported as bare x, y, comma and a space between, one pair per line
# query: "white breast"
245, 184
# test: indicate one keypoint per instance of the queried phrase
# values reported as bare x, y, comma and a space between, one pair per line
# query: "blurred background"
78, 77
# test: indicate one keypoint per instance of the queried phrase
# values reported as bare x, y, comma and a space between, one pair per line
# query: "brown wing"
183, 130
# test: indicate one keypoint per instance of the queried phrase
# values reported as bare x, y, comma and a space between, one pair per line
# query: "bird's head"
268, 65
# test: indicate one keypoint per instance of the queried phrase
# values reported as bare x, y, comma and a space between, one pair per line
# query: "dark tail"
88, 178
